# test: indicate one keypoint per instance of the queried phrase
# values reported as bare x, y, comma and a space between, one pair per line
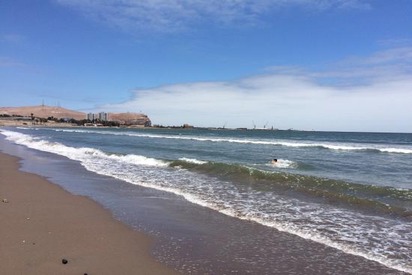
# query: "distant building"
91, 117
102, 116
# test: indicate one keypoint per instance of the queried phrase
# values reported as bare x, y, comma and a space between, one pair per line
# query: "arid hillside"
42, 111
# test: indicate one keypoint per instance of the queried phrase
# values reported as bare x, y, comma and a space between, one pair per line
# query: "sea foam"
398, 149
79, 154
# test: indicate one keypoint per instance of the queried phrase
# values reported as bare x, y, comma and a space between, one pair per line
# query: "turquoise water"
350, 191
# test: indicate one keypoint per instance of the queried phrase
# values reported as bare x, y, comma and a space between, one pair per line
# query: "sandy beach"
43, 225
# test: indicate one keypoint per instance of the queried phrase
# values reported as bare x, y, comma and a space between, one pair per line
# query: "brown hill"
42, 111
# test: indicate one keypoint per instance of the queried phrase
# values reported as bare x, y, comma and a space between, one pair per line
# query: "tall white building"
102, 116
91, 117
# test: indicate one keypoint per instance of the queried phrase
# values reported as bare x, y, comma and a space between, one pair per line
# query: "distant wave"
275, 142
190, 160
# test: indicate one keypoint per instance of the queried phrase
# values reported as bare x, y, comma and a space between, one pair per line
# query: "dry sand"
41, 224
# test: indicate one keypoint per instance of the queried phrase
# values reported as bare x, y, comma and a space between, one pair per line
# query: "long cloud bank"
371, 94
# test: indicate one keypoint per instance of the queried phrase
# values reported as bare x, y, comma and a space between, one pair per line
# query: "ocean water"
348, 191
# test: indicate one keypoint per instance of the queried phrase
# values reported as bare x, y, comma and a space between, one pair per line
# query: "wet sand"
42, 224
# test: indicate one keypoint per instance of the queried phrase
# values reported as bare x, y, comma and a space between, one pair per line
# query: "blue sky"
341, 65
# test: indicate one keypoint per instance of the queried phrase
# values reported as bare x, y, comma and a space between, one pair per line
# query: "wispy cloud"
386, 65
13, 38
397, 55
9, 62
292, 98
167, 16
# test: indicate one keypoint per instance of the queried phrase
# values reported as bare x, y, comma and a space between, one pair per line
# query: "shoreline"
44, 224
190, 238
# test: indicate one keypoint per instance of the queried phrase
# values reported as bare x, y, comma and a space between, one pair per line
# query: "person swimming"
274, 161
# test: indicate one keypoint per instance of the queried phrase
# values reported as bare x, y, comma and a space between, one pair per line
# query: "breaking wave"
397, 149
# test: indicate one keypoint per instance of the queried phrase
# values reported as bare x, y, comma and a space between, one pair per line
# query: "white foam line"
331, 146
289, 228
284, 227
78, 153
191, 160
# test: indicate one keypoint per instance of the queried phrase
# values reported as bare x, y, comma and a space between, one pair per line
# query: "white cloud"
167, 16
291, 98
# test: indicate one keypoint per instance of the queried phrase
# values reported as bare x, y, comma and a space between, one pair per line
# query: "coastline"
44, 224
24, 123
